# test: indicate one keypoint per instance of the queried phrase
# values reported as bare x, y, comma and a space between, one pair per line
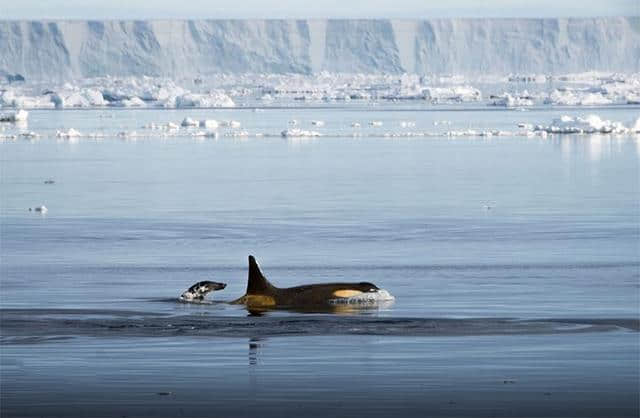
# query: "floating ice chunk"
317, 123
298, 133
214, 99
527, 78
577, 97
508, 100
94, 97
407, 124
18, 116
231, 123
30, 135
591, 99
237, 134
128, 134
452, 94
71, 133
636, 126
355, 125
133, 102
375, 123
40, 209
473, 132
189, 122
209, 124
73, 99
10, 98
526, 126
588, 125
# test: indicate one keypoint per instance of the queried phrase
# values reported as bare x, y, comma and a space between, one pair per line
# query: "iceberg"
522, 47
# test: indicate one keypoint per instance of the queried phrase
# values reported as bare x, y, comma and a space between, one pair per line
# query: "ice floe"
70, 133
18, 116
455, 94
209, 124
229, 90
299, 133
590, 124
508, 100
186, 122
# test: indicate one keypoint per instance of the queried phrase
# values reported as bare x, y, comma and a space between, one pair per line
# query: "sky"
189, 9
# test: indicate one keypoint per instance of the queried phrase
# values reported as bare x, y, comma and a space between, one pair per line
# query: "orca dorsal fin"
257, 283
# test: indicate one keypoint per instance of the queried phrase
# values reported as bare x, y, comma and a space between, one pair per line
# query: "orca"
262, 295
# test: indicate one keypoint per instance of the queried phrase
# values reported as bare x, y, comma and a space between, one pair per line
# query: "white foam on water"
380, 296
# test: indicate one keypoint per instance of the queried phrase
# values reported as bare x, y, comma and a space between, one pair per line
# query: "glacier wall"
61, 50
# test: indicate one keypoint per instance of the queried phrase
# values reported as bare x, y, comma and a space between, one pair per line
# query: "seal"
198, 291
261, 294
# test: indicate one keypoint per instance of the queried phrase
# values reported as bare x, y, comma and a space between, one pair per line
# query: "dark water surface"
514, 261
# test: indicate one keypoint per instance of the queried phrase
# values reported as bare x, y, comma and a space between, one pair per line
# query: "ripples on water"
513, 252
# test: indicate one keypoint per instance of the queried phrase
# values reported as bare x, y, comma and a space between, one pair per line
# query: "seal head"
199, 290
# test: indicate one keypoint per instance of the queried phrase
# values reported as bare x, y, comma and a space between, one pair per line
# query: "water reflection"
254, 345
594, 143
594, 146
336, 309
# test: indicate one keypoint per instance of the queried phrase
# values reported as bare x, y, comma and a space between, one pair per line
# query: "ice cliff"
63, 50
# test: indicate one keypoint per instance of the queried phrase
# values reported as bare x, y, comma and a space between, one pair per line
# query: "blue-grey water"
514, 262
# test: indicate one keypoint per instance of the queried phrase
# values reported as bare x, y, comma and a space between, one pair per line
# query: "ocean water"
514, 262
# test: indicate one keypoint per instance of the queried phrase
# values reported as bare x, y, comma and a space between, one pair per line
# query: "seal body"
199, 290
261, 294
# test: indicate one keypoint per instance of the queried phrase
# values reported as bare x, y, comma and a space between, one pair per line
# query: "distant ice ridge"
588, 89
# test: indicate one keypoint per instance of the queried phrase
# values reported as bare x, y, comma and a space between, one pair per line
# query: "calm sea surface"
455, 228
